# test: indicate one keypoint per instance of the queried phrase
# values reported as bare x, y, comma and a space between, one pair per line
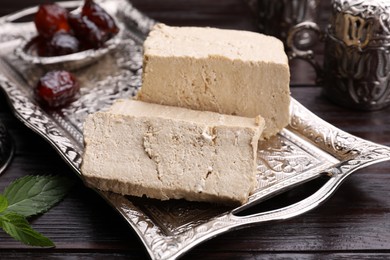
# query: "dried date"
56, 88
50, 19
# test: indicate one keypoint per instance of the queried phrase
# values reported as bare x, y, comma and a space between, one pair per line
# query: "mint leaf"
32, 195
3, 203
17, 226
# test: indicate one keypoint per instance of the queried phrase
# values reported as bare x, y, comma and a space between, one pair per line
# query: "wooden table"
353, 224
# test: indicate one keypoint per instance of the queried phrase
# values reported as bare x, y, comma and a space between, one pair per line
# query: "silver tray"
308, 148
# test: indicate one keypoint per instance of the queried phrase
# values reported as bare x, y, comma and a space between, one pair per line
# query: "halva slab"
164, 152
226, 71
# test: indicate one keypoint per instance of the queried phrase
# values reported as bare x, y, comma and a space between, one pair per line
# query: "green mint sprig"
28, 196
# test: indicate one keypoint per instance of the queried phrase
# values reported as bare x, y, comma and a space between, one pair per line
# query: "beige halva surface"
165, 152
226, 71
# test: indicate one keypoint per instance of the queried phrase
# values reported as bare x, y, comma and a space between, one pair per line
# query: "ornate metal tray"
306, 149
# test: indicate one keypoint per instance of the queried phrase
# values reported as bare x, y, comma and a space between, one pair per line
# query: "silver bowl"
27, 50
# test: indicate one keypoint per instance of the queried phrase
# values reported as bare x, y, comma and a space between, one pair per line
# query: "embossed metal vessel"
278, 17
295, 23
357, 60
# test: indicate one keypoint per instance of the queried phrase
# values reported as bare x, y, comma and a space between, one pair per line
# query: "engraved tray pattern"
306, 149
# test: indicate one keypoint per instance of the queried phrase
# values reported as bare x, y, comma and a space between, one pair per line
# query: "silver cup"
277, 17
294, 22
356, 70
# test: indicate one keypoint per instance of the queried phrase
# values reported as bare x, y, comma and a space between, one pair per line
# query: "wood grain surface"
352, 224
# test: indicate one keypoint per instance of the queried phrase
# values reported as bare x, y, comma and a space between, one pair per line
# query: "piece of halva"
163, 152
226, 71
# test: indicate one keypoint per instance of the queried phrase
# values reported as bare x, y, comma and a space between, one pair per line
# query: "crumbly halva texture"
225, 71
163, 152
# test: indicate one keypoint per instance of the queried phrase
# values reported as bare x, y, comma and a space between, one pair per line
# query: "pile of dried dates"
61, 32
